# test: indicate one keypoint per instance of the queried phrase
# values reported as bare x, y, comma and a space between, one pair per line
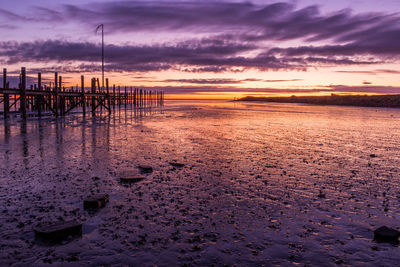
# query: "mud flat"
243, 183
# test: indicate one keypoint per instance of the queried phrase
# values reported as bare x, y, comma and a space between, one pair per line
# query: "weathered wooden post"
119, 95
62, 98
6, 97
131, 97
98, 85
113, 99
39, 97
108, 97
125, 97
23, 93
93, 97
83, 95
55, 100
134, 97
140, 98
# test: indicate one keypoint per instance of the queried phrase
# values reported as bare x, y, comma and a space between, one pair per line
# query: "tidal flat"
235, 183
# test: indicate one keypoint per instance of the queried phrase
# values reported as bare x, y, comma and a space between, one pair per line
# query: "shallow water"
261, 184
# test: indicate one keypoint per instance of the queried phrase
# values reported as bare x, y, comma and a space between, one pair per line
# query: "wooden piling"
61, 100
23, 93
93, 98
119, 95
125, 97
108, 96
55, 100
83, 97
39, 98
6, 97
113, 100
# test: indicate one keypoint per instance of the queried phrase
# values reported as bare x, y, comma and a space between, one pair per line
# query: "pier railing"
59, 100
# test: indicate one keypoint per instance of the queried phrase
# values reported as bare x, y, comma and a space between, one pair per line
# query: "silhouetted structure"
60, 101
385, 101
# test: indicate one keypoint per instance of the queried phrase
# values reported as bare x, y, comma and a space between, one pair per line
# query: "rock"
177, 165
130, 179
372, 155
57, 231
145, 169
386, 234
95, 202
321, 194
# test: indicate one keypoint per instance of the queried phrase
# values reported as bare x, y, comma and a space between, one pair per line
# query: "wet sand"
262, 184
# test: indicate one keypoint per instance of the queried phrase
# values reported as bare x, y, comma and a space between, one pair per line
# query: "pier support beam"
55, 100
23, 93
83, 95
39, 98
6, 97
93, 98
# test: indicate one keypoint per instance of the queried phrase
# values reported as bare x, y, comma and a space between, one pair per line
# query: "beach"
235, 183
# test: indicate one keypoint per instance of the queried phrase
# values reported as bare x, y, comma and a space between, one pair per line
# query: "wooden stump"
95, 202
57, 231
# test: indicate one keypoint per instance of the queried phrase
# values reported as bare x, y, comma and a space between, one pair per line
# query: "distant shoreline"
382, 101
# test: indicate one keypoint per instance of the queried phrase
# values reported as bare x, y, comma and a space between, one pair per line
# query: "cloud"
270, 90
204, 81
8, 27
240, 36
369, 72
8, 15
14, 81
276, 21
193, 56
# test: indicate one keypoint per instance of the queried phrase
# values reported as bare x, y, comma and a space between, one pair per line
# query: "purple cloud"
237, 36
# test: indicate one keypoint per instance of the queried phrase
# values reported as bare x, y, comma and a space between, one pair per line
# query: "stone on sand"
95, 202
386, 234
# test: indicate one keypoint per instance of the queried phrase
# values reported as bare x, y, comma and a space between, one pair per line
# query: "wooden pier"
59, 101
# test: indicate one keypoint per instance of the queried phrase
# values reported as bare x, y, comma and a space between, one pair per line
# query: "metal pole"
102, 53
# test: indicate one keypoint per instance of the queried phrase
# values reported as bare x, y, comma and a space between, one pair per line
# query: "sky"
209, 49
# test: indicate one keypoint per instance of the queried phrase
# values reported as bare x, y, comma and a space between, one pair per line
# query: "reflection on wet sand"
45, 128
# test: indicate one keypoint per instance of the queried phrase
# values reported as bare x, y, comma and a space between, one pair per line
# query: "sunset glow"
257, 47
